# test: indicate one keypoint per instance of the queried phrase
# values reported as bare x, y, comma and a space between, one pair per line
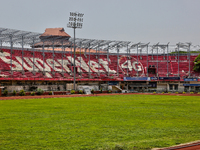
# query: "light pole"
75, 21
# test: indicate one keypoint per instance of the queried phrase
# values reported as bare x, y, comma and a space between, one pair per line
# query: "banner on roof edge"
113, 82
169, 78
154, 78
136, 78
190, 79
191, 84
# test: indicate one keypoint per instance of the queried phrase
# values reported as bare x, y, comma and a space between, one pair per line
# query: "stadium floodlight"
75, 21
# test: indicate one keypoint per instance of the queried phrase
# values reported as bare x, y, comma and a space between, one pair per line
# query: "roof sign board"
136, 78
113, 83
190, 79
169, 78
154, 78
191, 84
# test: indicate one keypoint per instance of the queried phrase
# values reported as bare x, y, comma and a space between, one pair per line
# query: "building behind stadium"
33, 60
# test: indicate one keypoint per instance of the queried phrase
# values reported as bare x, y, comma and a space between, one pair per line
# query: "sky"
122, 20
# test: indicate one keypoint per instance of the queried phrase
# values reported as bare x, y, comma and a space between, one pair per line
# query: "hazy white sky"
125, 20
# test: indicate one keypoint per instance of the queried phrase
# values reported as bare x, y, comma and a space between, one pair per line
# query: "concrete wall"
162, 87
91, 87
12, 88
43, 87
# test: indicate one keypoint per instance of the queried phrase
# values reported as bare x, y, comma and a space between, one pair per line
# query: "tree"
197, 63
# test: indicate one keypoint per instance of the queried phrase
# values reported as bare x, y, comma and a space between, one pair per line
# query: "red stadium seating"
101, 69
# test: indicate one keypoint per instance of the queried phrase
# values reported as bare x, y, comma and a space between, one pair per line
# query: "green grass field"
103, 122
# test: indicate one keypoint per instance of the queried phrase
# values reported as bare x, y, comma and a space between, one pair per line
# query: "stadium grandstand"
34, 60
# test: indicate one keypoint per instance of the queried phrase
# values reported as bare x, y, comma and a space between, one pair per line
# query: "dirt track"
84, 95
187, 146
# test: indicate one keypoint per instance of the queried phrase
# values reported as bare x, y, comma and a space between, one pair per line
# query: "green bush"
101, 91
191, 92
92, 91
196, 66
32, 93
163, 92
5, 92
154, 92
22, 93
80, 91
50, 93
184, 52
198, 93
14, 92
40, 91
184, 92
109, 91
176, 92
169, 92
72, 91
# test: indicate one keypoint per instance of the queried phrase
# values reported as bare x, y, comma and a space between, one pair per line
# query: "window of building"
192, 88
197, 89
176, 87
170, 87
186, 89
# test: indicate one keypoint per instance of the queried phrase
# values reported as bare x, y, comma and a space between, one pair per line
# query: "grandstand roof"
62, 39
31, 38
18, 36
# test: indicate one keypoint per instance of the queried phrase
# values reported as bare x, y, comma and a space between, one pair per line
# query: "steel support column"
62, 56
127, 61
43, 56
147, 61
98, 60
23, 54
117, 60
71, 61
80, 57
178, 63
167, 60
189, 59
33, 49
1, 44
137, 60
11, 48
157, 62
108, 59
89, 63
130, 61
53, 57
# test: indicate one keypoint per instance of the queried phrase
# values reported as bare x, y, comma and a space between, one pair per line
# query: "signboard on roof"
154, 78
136, 78
190, 79
113, 83
169, 78
191, 84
